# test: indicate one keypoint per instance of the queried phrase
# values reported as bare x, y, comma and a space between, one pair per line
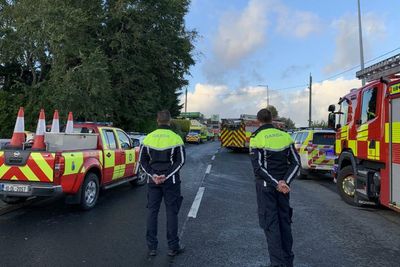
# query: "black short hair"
264, 116
164, 117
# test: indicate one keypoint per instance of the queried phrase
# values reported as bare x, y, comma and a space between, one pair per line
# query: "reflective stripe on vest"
162, 139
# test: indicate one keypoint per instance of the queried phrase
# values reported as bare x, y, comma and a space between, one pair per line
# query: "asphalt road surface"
218, 224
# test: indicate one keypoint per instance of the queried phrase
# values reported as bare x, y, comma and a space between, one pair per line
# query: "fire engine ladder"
386, 68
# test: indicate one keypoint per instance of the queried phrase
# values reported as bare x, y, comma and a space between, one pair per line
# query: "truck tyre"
13, 200
90, 191
141, 178
303, 174
346, 185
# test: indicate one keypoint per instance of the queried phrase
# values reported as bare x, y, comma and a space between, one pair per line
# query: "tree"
288, 123
109, 60
319, 124
274, 111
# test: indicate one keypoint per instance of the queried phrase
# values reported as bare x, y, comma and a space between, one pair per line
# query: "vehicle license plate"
14, 188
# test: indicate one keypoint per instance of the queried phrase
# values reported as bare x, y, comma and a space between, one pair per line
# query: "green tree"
274, 111
319, 124
288, 123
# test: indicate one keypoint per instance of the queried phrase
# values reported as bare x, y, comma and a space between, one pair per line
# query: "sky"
244, 45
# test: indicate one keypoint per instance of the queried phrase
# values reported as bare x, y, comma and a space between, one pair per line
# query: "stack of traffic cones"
38, 143
55, 126
70, 124
18, 137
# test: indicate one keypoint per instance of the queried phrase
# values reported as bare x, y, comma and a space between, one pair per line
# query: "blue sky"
244, 43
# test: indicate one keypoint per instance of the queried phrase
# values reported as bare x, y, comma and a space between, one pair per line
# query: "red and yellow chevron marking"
39, 168
233, 138
317, 156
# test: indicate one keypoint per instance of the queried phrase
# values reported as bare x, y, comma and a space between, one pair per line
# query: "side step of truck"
123, 181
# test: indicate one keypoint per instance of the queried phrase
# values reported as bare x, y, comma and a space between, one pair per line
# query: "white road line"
213, 157
208, 169
196, 203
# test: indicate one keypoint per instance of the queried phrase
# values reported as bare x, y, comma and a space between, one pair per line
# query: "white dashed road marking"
213, 157
196, 203
208, 169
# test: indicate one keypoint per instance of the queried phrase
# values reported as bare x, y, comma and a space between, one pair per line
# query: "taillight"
59, 166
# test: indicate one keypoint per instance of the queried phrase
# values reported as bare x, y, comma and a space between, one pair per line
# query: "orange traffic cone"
38, 142
70, 124
55, 126
18, 137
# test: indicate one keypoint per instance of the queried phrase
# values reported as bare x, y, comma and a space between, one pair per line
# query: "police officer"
275, 163
162, 155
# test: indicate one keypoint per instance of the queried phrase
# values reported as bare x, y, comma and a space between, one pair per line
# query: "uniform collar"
263, 127
166, 127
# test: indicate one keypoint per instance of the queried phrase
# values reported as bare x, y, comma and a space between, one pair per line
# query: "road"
224, 232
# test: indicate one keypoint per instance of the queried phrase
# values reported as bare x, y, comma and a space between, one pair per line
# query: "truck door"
126, 155
394, 141
110, 147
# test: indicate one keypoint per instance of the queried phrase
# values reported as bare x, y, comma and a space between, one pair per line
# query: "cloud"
241, 33
297, 23
219, 99
347, 51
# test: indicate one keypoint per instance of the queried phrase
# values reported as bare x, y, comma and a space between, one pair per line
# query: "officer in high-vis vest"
162, 155
275, 163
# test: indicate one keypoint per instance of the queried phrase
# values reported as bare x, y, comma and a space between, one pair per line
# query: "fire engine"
368, 137
236, 133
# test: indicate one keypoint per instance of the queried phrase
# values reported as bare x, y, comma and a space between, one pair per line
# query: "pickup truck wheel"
346, 185
13, 200
141, 178
90, 191
303, 174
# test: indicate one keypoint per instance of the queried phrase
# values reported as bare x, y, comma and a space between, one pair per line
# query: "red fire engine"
368, 137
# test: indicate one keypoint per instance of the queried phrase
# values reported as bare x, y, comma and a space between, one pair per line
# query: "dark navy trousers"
172, 198
275, 218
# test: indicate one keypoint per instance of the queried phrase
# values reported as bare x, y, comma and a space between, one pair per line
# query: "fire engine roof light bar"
385, 68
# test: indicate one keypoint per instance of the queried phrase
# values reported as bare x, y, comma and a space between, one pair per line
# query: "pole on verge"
186, 100
310, 103
361, 40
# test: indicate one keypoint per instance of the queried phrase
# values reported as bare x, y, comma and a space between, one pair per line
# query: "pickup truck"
78, 165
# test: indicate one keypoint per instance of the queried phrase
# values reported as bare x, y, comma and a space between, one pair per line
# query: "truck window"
325, 139
110, 139
368, 108
344, 107
124, 140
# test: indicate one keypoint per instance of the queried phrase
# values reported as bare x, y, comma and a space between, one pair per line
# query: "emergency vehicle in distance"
236, 133
198, 133
368, 137
78, 163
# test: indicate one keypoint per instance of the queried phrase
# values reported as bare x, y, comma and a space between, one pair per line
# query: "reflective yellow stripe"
29, 174
119, 171
43, 165
109, 161
3, 170
338, 146
1, 153
344, 132
353, 146
395, 89
374, 153
73, 162
362, 133
395, 130
129, 156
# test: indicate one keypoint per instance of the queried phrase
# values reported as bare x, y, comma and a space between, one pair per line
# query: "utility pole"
186, 100
310, 103
361, 40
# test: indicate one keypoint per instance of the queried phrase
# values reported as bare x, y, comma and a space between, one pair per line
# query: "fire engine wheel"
141, 178
346, 185
90, 191
13, 200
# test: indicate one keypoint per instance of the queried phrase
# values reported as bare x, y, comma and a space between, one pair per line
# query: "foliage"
180, 126
273, 110
107, 60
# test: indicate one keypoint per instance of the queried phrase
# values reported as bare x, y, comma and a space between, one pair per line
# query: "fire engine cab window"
110, 139
344, 107
368, 111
